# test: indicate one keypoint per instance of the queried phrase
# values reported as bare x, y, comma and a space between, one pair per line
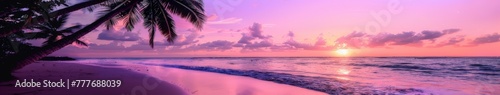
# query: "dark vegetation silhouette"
40, 21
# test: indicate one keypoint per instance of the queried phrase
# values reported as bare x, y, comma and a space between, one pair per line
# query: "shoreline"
392, 75
141, 79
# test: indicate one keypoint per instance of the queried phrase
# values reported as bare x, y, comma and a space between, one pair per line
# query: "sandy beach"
249, 47
143, 80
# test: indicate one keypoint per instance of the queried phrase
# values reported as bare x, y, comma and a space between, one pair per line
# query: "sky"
304, 28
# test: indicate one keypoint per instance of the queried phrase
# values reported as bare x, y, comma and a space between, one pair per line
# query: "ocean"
358, 75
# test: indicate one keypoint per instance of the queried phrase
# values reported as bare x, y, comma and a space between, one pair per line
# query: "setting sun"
342, 52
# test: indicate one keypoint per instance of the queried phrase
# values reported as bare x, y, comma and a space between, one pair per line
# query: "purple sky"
312, 28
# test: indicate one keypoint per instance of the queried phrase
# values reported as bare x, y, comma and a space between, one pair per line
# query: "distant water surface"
400, 75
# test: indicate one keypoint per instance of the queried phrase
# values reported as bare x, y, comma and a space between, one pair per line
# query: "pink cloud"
320, 44
354, 39
406, 38
451, 41
359, 39
218, 45
121, 35
248, 40
490, 38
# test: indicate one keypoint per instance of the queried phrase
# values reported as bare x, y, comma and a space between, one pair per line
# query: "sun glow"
343, 52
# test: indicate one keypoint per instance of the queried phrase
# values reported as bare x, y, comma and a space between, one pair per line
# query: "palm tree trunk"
20, 60
52, 14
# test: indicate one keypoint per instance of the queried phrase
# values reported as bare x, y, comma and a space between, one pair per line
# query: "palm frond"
60, 21
79, 42
197, 3
105, 3
166, 25
130, 17
149, 14
187, 10
110, 23
109, 2
91, 8
152, 36
110, 7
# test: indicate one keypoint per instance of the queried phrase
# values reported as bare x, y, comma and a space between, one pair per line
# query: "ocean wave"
327, 85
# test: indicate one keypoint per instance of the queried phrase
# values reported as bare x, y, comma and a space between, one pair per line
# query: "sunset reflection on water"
438, 75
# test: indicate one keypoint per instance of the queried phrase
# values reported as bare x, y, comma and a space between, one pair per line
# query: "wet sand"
143, 80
